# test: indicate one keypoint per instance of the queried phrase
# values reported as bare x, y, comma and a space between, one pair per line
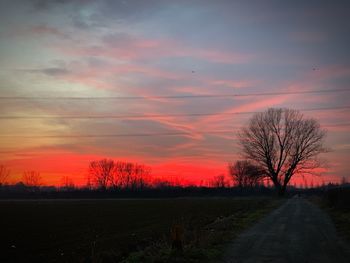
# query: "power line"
174, 96
336, 125
115, 135
134, 116
190, 133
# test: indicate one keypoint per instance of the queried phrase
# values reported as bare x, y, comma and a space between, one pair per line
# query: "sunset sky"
149, 61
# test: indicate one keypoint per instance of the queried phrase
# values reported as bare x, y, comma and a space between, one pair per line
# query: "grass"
123, 230
339, 213
341, 219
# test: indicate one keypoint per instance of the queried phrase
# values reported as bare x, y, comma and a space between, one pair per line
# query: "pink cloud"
234, 84
217, 120
132, 48
218, 56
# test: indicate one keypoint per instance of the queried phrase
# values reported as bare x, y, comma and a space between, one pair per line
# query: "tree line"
107, 173
29, 178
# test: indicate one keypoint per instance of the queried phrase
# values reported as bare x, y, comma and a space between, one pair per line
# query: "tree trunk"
280, 189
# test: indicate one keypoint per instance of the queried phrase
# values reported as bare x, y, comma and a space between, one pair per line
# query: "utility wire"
190, 133
113, 135
174, 96
135, 116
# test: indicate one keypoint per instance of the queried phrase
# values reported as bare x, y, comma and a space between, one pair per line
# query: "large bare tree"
282, 142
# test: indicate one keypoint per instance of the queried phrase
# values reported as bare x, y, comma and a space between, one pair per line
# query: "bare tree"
32, 178
118, 174
219, 181
282, 142
245, 174
141, 172
130, 175
67, 182
123, 176
4, 174
102, 172
344, 181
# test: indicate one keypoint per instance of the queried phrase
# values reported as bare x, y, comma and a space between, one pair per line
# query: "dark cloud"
55, 71
52, 71
100, 13
130, 9
45, 5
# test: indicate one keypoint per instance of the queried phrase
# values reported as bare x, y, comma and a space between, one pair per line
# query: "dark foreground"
296, 232
117, 230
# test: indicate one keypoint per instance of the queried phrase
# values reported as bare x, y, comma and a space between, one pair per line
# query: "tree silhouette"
245, 174
4, 174
219, 181
282, 142
102, 172
32, 178
67, 182
118, 174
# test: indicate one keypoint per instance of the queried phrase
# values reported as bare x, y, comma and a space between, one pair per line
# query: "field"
122, 230
336, 202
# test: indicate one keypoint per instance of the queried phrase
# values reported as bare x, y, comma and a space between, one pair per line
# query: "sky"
161, 57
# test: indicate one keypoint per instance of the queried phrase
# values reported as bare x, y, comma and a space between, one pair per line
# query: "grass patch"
339, 213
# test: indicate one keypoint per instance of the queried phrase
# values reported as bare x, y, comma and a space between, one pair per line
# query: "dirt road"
296, 232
